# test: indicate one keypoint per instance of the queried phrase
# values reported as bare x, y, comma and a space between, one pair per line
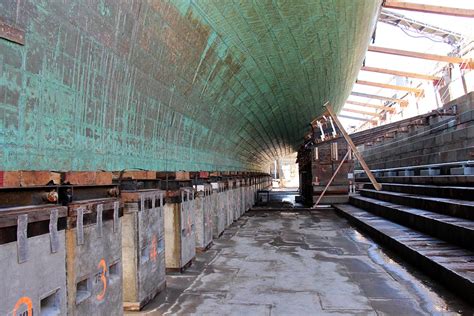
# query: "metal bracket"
22, 238
80, 226
53, 230
100, 210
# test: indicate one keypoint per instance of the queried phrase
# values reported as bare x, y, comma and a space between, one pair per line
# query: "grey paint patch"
100, 209
53, 230
80, 226
22, 238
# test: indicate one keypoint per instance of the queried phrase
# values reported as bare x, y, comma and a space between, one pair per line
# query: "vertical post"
349, 141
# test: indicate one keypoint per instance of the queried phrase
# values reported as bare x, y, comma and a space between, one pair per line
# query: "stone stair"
430, 226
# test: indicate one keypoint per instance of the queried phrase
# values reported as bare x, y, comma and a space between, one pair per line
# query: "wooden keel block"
35, 178
137, 175
182, 175
87, 177
10, 179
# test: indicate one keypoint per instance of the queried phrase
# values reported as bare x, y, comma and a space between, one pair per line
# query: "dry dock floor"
300, 263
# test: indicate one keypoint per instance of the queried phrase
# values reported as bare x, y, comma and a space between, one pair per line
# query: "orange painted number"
103, 278
25, 300
153, 252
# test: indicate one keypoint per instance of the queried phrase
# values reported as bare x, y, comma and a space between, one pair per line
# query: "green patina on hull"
172, 85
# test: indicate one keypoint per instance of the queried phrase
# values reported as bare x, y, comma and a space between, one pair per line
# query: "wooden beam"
410, 6
417, 92
379, 97
407, 53
357, 118
400, 73
11, 33
332, 177
374, 106
361, 112
349, 141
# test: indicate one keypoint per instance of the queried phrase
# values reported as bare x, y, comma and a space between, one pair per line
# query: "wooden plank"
87, 177
349, 141
136, 174
182, 175
332, 178
400, 73
36, 213
426, 8
406, 53
34, 178
416, 91
357, 118
374, 106
10, 178
204, 174
11, 33
361, 112
379, 97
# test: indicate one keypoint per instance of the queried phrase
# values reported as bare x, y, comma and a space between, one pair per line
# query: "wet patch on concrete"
299, 263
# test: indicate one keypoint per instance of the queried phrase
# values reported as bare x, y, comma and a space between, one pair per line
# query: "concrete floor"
299, 263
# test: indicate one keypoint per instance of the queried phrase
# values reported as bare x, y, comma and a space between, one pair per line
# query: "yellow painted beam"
374, 106
435, 9
400, 73
416, 91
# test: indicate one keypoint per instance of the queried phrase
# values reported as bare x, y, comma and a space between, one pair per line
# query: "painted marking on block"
116, 217
100, 210
153, 249
80, 226
22, 238
53, 231
153, 201
102, 265
142, 202
25, 300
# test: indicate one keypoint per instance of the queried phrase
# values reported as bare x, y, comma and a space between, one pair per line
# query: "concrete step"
446, 180
450, 192
450, 207
456, 230
446, 263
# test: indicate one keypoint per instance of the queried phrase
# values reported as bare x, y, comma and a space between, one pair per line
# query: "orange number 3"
103, 278
24, 300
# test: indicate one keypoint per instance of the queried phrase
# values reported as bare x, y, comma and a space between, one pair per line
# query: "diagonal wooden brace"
332, 178
349, 141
